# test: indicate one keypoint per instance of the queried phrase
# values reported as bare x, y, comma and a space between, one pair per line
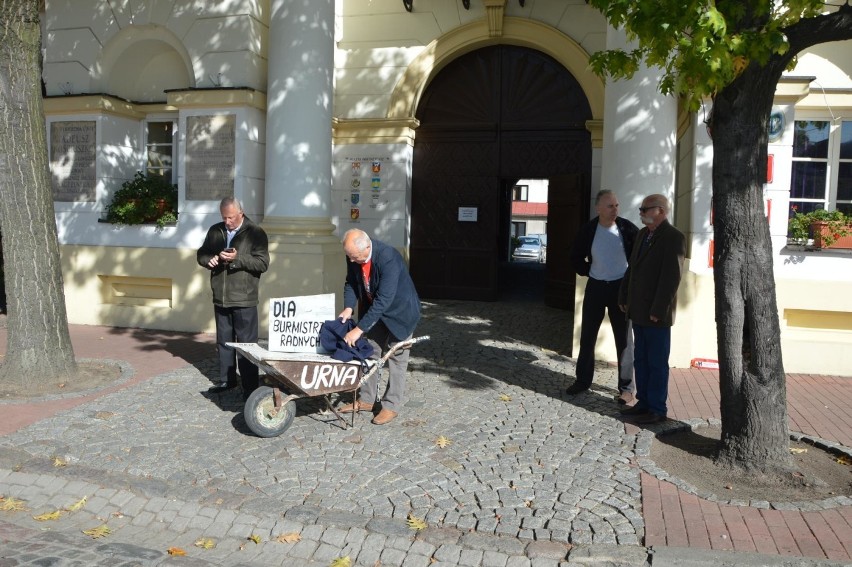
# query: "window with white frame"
520, 192
821, 176
160, 148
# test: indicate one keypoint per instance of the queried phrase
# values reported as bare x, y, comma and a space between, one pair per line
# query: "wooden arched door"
498, 113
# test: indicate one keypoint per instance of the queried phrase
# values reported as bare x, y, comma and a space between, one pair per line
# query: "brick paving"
497, 496
674, 517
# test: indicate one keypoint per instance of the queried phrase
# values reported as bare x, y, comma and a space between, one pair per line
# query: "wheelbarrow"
271, 408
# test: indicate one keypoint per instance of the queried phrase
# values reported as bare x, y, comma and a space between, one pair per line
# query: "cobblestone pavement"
528, 478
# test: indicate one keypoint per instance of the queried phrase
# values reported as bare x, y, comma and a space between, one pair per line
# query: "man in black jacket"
600, 252
236, 251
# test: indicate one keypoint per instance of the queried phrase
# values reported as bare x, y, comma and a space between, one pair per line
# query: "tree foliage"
732, 53
703, 46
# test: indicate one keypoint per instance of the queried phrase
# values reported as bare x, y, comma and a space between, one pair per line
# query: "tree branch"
807, 32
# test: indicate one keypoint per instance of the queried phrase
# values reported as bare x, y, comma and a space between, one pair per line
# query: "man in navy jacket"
377, 281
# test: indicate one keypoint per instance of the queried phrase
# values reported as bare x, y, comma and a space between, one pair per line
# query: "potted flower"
829, 229
145, 199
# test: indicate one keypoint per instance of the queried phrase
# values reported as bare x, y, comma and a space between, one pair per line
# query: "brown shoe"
357, 406
624, 398
385, 416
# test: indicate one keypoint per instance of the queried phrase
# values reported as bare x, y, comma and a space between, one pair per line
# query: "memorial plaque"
210, 142
72, 160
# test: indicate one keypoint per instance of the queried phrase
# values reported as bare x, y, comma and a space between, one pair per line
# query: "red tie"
365, 270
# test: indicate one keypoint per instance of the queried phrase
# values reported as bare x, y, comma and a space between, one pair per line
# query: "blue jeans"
651, 347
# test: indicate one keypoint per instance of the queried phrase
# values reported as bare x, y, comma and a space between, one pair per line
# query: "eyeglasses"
644, 210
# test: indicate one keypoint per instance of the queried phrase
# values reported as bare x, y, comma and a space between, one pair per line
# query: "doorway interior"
490, 118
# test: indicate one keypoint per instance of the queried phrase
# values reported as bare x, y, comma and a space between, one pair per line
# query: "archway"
142, 62
490, 117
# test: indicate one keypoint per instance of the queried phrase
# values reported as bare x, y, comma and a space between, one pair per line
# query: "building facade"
414, 126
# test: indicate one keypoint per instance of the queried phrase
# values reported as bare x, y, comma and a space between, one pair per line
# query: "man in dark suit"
377, 281
648, 295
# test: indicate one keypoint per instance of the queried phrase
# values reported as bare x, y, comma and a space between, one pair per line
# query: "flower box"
820, 228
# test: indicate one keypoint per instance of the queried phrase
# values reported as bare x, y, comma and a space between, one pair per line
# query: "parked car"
531, 248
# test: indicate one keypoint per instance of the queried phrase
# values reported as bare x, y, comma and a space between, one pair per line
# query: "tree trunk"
39, 346
755, 432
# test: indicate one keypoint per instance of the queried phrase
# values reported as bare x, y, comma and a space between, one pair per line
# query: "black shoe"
650, 418
633, 410
575, 389
220, 387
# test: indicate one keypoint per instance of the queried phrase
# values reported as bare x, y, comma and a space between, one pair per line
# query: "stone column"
640, 127
306, 257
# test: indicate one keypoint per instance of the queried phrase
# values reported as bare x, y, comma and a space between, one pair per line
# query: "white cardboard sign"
294, 322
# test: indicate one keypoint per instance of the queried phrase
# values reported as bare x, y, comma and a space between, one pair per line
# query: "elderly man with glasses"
648, 295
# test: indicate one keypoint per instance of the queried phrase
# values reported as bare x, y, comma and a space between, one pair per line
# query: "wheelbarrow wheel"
261, 416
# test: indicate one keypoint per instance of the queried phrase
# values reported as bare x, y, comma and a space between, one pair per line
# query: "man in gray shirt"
600, 252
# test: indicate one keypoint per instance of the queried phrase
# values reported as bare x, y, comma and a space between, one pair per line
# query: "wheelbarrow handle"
394, 348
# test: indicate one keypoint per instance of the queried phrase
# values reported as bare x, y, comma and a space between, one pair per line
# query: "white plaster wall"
830, 63
225, 41
638, 136
695, 193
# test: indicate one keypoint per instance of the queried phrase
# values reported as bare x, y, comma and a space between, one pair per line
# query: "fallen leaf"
77, 505
798, 450
291, 537
505, 398
205, 543
442, 442
416, 523
341, 562
98, 532
59, 462
729, 486
255, 538
48, 516
844, 460
12, 505
176, 551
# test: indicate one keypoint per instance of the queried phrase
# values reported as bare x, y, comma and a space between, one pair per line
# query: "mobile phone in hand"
229, 250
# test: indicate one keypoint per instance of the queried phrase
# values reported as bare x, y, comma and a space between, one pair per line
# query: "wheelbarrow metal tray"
309, 374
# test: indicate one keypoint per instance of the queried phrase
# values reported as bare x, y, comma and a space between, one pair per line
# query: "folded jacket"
331, 339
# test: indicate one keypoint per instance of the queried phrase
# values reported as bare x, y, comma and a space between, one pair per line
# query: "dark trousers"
602, 296
651, 350
236, 325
